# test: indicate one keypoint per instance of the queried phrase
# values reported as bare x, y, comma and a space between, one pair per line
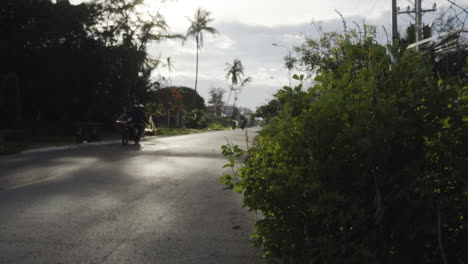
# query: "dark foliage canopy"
63, 63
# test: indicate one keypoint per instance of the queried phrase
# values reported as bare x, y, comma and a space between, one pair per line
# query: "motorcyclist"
243, 122
140, 118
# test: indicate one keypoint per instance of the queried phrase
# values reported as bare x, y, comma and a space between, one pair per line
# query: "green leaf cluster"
76, 62
367, 166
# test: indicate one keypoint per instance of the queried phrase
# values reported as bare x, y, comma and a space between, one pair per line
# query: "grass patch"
48, 141
217, 126
9, 148
177, 131
17, 146
35, 142
162, 131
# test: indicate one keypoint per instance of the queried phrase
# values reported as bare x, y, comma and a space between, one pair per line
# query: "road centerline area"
158, 203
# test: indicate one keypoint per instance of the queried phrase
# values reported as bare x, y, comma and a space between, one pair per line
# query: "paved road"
158, 203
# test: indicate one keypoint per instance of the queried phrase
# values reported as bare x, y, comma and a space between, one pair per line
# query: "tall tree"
170, 66
289, 63
198, 25
216, 99
235, 73
76, 62
127, 31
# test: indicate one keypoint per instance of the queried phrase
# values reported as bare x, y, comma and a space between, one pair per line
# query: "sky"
247, 29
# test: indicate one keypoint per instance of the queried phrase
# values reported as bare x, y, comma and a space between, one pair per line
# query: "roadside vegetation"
71, 66
366, 163
21, 143
198, 25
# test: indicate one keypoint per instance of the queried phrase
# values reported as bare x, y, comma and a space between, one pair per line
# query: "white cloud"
275, 12
220, 41
293, 38
247, 30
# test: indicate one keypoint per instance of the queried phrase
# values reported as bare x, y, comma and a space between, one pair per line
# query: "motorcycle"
129, 130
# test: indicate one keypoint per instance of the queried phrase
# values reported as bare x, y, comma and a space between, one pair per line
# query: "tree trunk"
196, 70
11, 98
229, 97
168, 118
19, 108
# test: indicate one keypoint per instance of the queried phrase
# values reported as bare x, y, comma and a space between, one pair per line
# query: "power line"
418, 12
394, 21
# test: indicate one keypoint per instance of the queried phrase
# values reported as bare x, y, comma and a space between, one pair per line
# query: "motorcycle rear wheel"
124, 138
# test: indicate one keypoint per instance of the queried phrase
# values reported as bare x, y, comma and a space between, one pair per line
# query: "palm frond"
246, 81
235, 72
198, 24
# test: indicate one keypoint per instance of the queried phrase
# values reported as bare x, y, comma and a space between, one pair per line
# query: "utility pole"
419, 12
394, 22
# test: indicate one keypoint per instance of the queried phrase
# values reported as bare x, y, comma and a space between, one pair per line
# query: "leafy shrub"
367, 166
195, 119
216, 126
8, 147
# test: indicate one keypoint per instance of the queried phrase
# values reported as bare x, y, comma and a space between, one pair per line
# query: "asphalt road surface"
157, 203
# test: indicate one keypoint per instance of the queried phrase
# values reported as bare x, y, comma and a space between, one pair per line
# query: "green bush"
218, 123
195, 119
7, 147
216, 126
367, 166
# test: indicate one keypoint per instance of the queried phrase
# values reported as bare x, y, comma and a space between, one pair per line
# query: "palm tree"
235, 72
170, 66
198, 25
289, 63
